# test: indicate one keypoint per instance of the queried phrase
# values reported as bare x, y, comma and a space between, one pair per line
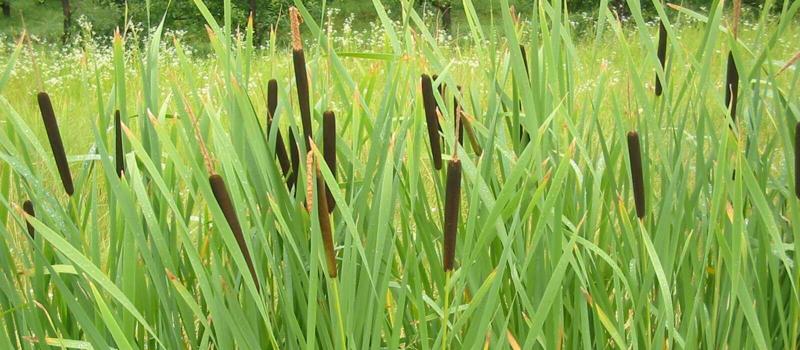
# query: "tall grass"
550, 253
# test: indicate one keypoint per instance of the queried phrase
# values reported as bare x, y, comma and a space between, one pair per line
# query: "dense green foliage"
570, 231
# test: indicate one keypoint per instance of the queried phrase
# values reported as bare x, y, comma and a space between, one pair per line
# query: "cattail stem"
451, 211
732, 86
118, 147
27, 206
56, 145
662, 55
301, 75
797, 160
635, 154
229, 211
325, 226
291, 180
429, 103
329, 150
272, 106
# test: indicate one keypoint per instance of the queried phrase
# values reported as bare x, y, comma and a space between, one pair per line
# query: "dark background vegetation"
56, 20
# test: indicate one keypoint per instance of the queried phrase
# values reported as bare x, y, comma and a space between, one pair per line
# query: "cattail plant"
635, 154
56, 145
429, 103
732, 74
325, 225
229, 211
797, 160
272, 106
451, 211
329, 149
27, 206
662, 54
732, 86
300, 75
291, 180
118, 147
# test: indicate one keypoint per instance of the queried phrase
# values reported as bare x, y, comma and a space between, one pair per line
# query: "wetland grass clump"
662, 55
56, 145
329, 150
118, 147
451, 212
301, 75
272, 106
27, 206
225, 203
429, 104
635, 153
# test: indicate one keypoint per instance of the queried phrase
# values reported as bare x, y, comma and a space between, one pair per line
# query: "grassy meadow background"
550, 253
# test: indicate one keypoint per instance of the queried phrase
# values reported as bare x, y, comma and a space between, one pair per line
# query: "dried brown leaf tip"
429, 104
637, 177
223, 198
451, 212
56, 145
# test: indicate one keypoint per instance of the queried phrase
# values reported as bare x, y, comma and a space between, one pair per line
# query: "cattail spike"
325, 226
732, 86
635, 154
797, 160
662, 55
451, 211
118, 147
27, 206
56, 145
291, 180
223, 198
429, 103
301, 76
272, 106
329, 149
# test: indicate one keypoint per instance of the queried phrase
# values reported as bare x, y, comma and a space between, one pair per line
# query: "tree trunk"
67, 20
6, 5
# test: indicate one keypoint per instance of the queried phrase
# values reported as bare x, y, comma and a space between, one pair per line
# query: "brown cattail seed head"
272, 106
56, 145
662, 54
118, 147
223, 199
451, 212
301, 79
429, 103
635, 154
797, 160
329, 149
458, 122
732, 86
291, 180
27, 206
